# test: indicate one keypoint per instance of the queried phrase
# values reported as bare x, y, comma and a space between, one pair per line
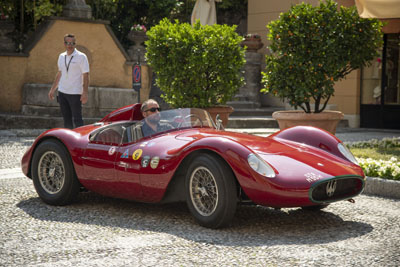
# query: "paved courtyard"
99, 231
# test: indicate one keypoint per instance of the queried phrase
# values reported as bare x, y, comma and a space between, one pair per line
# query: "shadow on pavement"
252, 225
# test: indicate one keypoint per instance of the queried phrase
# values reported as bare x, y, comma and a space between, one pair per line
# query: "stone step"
102, 100
32, 110
55, 111
264, 122
243, 104
252, 122
18, 121
245, 112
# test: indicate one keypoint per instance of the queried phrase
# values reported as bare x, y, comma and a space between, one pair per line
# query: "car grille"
337, 188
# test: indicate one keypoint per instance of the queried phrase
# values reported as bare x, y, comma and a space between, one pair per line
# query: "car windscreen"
175, 119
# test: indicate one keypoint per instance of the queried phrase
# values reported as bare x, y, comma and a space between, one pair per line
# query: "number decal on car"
312, 177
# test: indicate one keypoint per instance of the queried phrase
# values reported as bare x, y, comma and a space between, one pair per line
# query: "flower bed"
381, 168
388, 169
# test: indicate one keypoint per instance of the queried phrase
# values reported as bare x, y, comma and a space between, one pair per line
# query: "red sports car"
192, 159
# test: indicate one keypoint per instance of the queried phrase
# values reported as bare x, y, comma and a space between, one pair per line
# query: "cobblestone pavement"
99, 231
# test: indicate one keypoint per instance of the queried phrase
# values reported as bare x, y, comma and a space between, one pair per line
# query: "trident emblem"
330, 188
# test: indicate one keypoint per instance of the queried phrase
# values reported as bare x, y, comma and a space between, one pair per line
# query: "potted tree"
197, 66
312, 48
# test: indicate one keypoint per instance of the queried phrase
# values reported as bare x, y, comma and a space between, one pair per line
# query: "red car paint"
302, 158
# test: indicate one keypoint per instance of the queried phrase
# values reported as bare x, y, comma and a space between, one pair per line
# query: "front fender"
234, 154
311, 136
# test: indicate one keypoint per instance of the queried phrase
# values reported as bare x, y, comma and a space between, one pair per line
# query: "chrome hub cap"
203, 191
51, 172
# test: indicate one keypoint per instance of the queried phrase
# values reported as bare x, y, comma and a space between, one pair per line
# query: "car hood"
291, 159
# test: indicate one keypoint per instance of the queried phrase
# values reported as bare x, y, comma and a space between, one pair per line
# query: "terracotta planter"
223, 111
327, 120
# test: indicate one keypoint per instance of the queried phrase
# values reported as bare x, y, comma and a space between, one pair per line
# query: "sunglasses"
153, 109
69, 43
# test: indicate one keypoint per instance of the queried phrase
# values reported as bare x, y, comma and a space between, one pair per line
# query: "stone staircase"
260, 118
253, 118
38, 112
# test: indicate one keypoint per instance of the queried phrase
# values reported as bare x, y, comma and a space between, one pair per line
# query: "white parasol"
205, 11
381, 9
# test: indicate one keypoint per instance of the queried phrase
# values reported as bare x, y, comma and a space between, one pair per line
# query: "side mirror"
218, 123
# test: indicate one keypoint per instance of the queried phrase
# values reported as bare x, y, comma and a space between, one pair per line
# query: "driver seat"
136, 132
110, 136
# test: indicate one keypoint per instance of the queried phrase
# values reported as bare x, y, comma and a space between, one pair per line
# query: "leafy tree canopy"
196, 66
313, 47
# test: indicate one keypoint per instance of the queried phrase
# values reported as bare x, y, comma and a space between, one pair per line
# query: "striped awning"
381, 9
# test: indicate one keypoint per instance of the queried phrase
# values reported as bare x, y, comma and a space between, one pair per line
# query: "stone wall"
110, 65
102, 100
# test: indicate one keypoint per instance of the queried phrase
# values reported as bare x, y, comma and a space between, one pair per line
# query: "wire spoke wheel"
203, 191
210, 191
51, 172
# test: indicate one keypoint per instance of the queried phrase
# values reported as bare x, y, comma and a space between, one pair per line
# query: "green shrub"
195, 66
313, 47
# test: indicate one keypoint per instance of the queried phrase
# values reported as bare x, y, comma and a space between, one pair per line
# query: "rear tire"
211, 191
53, 174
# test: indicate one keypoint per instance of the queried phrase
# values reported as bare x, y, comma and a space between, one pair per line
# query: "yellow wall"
261, 12
12, 76
108, 66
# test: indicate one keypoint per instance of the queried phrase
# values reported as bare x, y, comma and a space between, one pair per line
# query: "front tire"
53, 174
210, 191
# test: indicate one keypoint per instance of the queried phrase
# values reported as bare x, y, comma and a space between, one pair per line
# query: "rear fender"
66, 137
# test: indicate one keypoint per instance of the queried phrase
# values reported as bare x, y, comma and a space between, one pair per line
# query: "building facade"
369, 97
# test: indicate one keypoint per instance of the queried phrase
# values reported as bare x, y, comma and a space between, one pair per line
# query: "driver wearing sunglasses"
151, 112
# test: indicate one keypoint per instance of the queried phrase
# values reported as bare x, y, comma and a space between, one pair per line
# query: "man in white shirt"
72, 80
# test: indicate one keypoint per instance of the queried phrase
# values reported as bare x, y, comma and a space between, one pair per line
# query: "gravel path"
99, 231
12, 149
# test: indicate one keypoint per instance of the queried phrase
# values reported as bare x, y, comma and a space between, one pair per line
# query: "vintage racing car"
192, 160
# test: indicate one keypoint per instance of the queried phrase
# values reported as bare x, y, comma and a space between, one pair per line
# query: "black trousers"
71, 108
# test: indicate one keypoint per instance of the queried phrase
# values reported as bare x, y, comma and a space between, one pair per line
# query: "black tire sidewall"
224, 179
71, 186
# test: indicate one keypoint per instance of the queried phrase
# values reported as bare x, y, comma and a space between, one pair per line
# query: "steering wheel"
197, 121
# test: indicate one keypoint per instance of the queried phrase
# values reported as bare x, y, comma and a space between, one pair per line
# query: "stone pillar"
77, 9
137, 50
252, 75
249, 94
137, 53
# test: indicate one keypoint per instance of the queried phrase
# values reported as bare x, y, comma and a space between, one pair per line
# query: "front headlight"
260, 166
346, 152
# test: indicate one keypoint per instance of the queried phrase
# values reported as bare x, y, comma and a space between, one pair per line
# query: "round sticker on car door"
137, 154
154, 162
111, 151
145, 161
